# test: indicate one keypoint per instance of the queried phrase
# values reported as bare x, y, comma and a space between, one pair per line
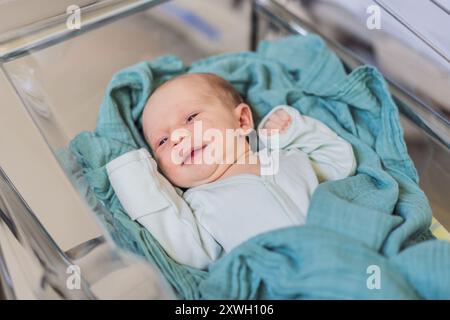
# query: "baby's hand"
279, 120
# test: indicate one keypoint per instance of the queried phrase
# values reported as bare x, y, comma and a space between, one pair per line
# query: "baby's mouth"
190, 156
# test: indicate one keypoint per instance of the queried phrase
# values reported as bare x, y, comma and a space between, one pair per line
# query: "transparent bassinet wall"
61, 83
60, 76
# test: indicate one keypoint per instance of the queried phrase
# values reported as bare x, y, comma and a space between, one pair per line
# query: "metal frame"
413, 30
19, 218
53, 30
33, 236
6, 286
420, 113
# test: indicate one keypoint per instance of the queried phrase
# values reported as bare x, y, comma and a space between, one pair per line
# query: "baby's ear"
243, 114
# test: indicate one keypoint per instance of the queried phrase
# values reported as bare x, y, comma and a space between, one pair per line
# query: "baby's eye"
162, 141
191, 117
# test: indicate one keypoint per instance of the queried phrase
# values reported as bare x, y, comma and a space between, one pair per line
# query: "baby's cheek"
165, 162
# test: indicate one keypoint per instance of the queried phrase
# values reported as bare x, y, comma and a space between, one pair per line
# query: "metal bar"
33, 235
254, 28
416, 110
6, 286
54, 30
413, 30
441, 6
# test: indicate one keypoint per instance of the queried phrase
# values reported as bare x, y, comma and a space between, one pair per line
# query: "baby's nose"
178, 135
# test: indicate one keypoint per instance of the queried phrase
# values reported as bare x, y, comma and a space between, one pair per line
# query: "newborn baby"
213, 189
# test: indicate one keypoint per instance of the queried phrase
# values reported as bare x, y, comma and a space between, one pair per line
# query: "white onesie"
200, 225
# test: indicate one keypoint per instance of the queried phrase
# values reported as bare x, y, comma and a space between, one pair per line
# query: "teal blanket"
362, 236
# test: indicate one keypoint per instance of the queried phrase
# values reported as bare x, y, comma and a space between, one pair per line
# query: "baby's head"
215, 109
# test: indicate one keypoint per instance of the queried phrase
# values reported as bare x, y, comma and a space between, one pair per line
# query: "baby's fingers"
279, 120
282, 115
272, 124
275, 120
271, 127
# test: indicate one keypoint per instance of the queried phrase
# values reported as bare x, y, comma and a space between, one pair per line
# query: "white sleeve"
331, 156
148, 197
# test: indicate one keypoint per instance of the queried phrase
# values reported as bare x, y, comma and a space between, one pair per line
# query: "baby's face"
169, 119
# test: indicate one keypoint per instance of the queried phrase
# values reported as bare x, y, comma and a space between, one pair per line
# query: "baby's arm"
331, 156
149, 198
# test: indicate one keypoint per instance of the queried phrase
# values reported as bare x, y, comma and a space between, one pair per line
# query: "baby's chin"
194, 175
